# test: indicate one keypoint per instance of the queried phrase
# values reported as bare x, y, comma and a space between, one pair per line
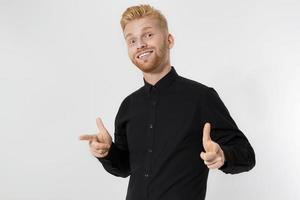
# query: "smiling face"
148, 44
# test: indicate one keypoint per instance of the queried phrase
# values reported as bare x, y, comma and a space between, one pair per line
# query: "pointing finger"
88, 137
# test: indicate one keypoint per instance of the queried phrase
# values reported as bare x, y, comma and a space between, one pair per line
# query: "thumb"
103, 134
206, 134
100, 125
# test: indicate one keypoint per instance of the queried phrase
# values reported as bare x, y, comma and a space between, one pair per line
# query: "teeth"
144, 54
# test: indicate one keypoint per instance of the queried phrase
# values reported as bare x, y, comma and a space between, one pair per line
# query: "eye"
148, 35
132, 41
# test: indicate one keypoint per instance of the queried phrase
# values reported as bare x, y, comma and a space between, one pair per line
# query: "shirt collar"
162, 83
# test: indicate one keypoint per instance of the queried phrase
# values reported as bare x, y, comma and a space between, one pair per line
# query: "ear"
170, 40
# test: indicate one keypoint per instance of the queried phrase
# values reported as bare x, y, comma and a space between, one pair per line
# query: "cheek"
159, 44
130, 53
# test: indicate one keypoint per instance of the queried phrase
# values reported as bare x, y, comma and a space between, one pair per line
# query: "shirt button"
154, 103
146, 175
150, 150
151, 126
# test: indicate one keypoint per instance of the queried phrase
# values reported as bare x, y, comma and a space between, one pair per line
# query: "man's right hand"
100, 143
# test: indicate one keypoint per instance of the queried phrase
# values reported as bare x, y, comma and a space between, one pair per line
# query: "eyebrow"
129, 34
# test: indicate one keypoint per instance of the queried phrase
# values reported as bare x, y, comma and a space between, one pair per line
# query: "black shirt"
158, 140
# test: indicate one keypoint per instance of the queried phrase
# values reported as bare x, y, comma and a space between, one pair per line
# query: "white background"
63, 63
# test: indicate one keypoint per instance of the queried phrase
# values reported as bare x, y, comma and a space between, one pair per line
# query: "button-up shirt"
158, 140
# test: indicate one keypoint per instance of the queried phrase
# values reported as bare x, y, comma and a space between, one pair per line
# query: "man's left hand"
214, 155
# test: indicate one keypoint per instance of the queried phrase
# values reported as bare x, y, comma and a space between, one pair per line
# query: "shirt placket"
150, 134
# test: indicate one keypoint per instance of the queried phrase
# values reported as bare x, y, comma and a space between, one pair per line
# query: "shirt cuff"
227, 156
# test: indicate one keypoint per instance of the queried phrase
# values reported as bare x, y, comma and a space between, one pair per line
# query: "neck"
154, 76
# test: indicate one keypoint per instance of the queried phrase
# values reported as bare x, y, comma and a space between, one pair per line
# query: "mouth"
145, 54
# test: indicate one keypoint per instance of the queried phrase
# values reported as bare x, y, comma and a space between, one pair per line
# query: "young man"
170, 131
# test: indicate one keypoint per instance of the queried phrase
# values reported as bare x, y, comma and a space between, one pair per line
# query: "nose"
141, 44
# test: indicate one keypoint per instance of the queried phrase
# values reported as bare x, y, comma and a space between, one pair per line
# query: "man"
170, 131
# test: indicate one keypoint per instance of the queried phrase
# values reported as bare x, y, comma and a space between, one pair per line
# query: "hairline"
159, 24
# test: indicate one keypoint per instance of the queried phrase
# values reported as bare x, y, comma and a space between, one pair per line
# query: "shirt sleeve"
116, 162
239, 154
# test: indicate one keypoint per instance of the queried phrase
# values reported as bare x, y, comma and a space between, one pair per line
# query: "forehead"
138, 25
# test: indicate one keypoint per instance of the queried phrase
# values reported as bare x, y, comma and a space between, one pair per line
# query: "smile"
144, 54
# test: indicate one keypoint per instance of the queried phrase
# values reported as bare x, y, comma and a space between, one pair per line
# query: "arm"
239, 154
116, 162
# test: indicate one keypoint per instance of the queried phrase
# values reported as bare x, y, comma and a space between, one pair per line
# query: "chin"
148, 66
145, 66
